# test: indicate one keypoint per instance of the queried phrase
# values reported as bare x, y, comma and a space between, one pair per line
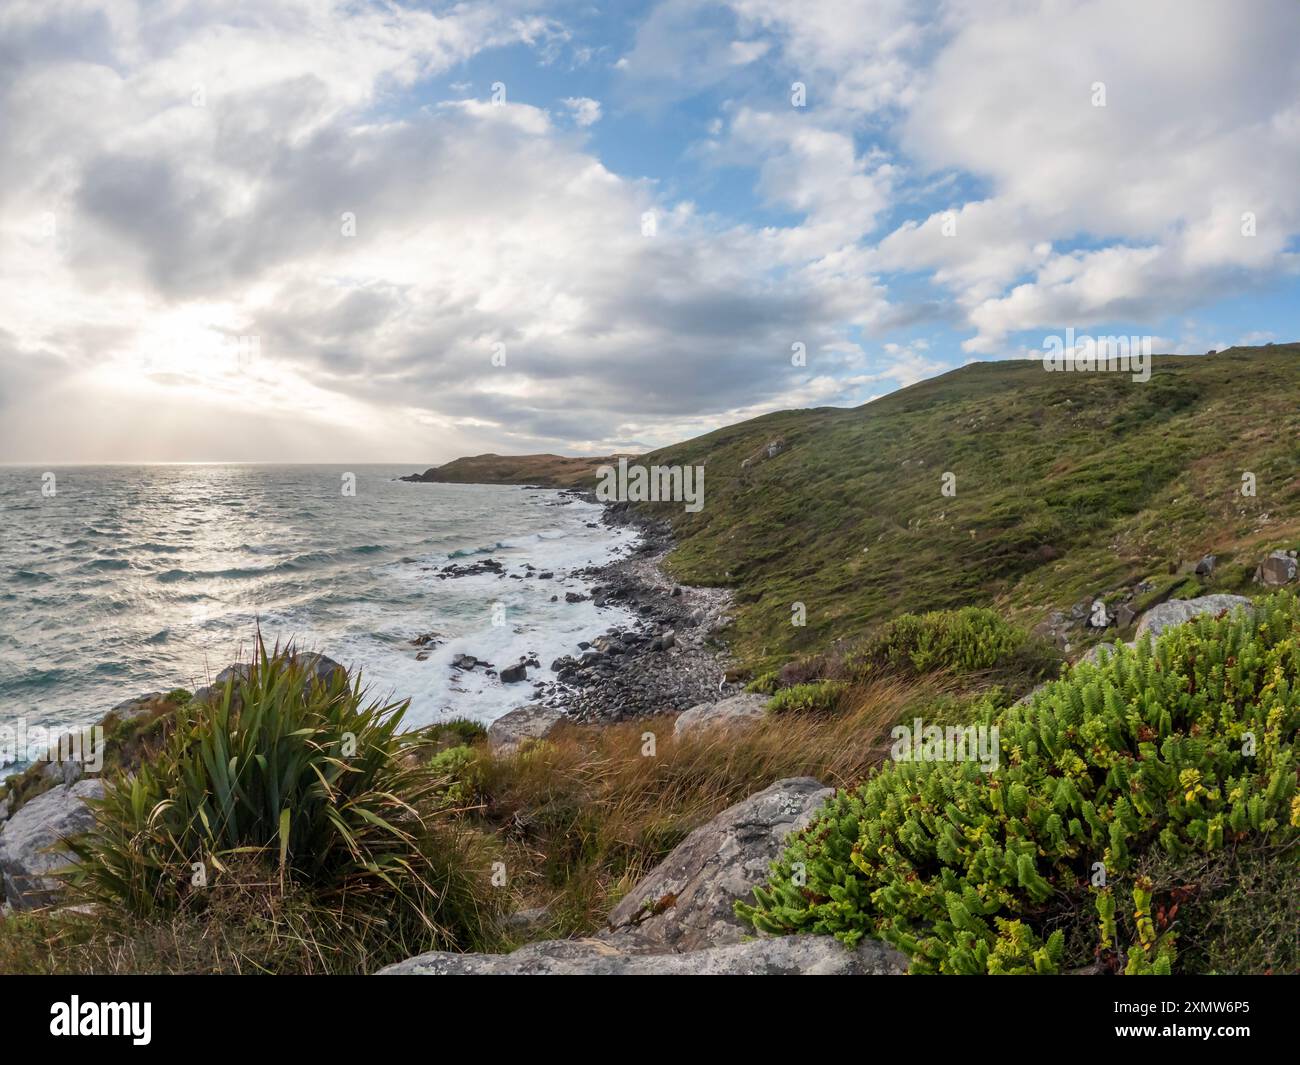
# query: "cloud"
273, 218
585, 111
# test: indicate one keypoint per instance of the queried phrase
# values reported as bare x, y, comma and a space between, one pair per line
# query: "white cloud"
585, 111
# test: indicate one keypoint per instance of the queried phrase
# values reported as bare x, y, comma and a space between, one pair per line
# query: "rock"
1177, 611
738, 710
30, 843
1124, 616
527, 919
574, 597
1054, 628
321, 669
133, 708
1093, 654
514, 674
1206, 566
779, 956
463, 662
686, 902
1278, 568
507, 732
427, 476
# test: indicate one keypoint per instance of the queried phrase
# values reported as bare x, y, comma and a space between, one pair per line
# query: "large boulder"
534, 722
1178, 611
782, 956
686, 902
30, 843
1278, 569
736, 711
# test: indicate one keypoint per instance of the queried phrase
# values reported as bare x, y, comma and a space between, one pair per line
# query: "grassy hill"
551, 471
1067, 486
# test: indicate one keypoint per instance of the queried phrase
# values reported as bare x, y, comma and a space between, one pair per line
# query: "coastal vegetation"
1142, 816
1128, 784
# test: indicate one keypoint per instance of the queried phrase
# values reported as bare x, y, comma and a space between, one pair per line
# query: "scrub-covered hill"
997, 484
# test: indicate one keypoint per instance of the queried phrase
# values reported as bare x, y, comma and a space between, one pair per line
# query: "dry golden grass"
584, 815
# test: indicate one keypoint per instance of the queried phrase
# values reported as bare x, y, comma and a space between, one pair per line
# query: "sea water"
120, 580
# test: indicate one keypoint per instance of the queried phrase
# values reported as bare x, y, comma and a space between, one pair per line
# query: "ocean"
120, 580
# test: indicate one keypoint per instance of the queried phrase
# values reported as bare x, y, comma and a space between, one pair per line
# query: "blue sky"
179, 279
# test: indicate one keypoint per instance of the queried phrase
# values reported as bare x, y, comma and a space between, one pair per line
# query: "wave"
96, 564
310, 560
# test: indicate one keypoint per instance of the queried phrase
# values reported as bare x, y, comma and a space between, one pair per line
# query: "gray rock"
1178, 611
133, 708
694, 889
320, 668
1124, 616
507, 732
1206, 566
779, 956
736, 711
514, 674
1279, 568
30, 845
1093, 654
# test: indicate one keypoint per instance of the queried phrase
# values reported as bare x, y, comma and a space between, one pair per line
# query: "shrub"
456, 770
819, 696
1178, 749
958, 641
294, 774
456, 732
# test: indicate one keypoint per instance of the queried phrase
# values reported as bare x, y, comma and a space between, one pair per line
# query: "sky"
318, 231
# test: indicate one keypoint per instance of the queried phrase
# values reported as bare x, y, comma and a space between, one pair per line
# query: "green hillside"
1067, 486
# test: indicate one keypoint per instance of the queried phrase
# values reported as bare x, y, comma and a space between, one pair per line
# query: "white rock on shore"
536, 722
734, 711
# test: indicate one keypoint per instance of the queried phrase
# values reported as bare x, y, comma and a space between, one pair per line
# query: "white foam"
462, 610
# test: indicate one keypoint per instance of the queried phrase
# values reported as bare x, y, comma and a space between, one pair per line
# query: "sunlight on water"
134, 579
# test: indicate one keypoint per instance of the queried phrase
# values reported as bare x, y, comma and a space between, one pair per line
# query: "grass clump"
295, 791
1179, 750
815, 697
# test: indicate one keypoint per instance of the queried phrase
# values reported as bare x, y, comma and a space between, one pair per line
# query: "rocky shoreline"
671, 658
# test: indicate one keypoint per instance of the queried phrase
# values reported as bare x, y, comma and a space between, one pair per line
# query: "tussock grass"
586, 814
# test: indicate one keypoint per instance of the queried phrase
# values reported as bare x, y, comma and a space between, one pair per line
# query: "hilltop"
1067, 486
549, 471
